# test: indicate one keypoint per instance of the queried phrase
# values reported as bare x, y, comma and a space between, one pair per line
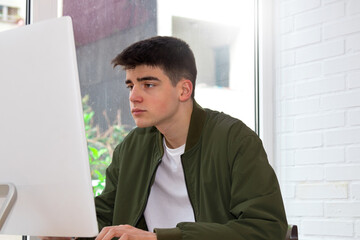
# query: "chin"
142, 125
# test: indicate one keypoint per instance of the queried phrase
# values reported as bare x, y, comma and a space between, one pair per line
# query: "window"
221, 36
222, 66
220, 33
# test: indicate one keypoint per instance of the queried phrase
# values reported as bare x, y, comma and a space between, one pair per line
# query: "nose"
135, 95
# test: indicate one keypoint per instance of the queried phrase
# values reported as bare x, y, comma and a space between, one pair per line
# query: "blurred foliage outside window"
101, 144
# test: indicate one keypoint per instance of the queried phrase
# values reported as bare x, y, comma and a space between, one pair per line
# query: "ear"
185, 89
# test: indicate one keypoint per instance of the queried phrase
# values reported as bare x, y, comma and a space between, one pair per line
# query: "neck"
175, 134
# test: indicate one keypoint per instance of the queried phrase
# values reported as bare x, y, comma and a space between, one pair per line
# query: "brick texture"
321, 155
319, 15
332, 190
354, 79
317, 102
328, 228
357, 228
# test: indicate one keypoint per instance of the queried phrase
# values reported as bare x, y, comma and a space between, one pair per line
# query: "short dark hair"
171, 54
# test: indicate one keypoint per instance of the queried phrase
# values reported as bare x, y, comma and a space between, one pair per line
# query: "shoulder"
224, 124
226, 132
233, 139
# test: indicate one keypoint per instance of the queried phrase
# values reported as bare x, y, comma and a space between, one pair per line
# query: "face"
154, 101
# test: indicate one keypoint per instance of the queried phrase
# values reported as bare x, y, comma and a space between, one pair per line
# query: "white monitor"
43, 149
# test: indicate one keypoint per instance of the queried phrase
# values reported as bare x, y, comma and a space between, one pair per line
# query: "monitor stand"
7, 192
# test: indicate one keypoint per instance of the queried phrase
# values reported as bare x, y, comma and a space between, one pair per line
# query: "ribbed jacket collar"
197, 121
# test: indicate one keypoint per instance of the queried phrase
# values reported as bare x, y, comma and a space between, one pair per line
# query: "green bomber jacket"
232, 188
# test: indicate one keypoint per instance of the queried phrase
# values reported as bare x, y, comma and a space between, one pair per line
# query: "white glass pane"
221, 35
12, 14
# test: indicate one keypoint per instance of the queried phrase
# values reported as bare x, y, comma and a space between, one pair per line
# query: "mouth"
137, 111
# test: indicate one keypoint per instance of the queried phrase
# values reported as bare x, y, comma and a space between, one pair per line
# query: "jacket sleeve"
256, 202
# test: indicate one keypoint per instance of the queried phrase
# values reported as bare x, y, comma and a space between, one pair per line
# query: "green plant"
100, 144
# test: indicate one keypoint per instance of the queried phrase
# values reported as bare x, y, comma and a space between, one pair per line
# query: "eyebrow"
147, 78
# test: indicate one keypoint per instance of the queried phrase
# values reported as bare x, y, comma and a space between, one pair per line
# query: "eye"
130, 87
149, 85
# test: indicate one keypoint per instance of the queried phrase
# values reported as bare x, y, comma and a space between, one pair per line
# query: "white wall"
318, 115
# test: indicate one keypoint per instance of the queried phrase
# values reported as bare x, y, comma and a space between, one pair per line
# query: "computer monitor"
43, 149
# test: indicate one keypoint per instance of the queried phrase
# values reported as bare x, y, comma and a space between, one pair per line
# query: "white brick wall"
321, 155
353, 154
354, 117
304, 209
301, 72
320, 121
342, 209
355, 191
354, 7
333, 190
301, 38
319, 15
302, 174
342, 136
320, 51
318, 115
290, 8
342, 64
353, 80
301, 106
342, 27
343, 172
328, 227
320, 86
357, 228
353, 43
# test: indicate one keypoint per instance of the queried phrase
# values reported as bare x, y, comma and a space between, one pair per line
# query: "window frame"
264, 67
267, 78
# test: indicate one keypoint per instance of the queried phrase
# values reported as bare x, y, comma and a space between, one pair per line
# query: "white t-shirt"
168, 202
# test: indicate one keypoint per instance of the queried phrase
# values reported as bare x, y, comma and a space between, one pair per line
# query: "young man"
185, 172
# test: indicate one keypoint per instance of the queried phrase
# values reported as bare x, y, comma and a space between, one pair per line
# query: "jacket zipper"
148, 193
187, 189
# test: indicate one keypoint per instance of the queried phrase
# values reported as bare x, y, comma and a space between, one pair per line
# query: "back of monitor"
43, 150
